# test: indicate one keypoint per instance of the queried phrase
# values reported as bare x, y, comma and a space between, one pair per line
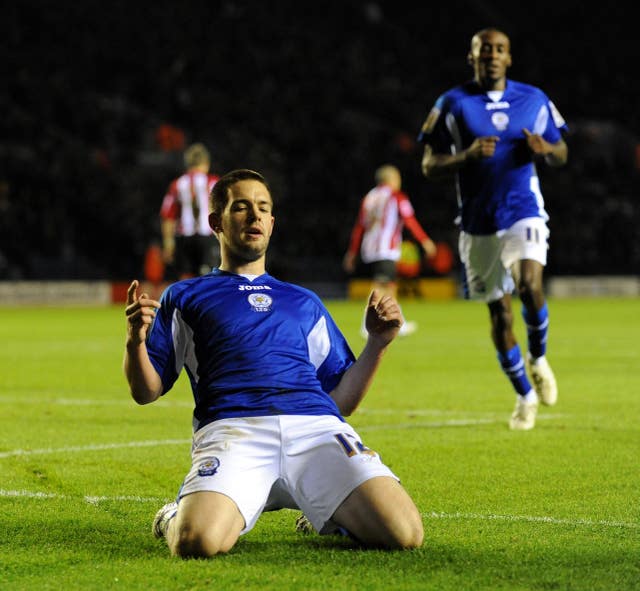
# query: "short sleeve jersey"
187, 203
378, 230
250, 347
496, 192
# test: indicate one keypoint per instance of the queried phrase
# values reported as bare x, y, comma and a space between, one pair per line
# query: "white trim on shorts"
487, 259
311, 463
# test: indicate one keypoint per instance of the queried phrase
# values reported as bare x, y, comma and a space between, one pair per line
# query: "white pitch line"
430, 424
89, 402
125, 498
109, 446
532, 519
96, 447
419, 412
444, 424
170, 403
429, 515
362, 428
29, 494
94, 500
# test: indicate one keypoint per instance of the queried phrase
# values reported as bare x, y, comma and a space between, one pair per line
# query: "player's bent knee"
406, 532
406, 535
381, 514
206, 543
411, 535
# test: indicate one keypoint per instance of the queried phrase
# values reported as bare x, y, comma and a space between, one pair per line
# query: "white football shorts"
311, 463
487, 259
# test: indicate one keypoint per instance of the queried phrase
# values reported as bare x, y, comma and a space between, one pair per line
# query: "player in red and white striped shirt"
377, 233
188, 243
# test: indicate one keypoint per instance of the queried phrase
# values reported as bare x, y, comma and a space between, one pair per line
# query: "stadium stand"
97, 101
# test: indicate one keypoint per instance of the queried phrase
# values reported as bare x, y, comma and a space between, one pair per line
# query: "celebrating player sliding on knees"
272, 378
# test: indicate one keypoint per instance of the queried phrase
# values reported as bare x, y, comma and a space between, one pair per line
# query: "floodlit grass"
83, 469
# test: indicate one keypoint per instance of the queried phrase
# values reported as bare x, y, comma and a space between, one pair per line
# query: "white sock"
535, 360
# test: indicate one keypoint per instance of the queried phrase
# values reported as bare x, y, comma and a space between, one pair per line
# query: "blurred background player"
490, 132
189, 246
377, 234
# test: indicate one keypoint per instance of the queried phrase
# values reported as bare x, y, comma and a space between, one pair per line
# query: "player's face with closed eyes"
247, 221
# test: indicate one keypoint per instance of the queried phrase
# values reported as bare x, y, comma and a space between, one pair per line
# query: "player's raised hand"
383, 317
140, 312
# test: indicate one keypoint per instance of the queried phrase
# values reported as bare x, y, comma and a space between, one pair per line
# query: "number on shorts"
352, 446
533, 235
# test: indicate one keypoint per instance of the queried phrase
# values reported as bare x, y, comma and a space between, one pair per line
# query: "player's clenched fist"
483, 147
140, 312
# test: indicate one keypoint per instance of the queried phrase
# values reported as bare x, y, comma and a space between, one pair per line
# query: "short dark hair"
220, 191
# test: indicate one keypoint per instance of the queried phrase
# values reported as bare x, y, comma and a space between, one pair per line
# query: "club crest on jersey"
500, 120
260, 302
209, 467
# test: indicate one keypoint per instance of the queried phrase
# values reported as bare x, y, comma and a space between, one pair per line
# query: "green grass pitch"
83, 469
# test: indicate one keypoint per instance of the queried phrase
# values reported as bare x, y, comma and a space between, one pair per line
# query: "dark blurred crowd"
99, 100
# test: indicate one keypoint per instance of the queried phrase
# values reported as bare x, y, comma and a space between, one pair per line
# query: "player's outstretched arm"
383, 321
144, 381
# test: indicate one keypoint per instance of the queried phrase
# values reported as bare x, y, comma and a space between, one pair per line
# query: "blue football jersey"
496, 192
250, 347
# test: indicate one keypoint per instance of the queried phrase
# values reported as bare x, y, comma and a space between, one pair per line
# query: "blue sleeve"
339, 359
434, 130
160, 344
556, 125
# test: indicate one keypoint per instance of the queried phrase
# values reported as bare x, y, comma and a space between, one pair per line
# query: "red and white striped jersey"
187, 202
377, 233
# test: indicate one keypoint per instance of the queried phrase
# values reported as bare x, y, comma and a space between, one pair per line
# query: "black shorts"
196, 255
382, 271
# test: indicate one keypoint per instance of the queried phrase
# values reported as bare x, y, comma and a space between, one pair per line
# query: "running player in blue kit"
272, 378
489, 133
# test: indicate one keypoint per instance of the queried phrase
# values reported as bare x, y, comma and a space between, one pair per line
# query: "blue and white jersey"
496, 192
250, 347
